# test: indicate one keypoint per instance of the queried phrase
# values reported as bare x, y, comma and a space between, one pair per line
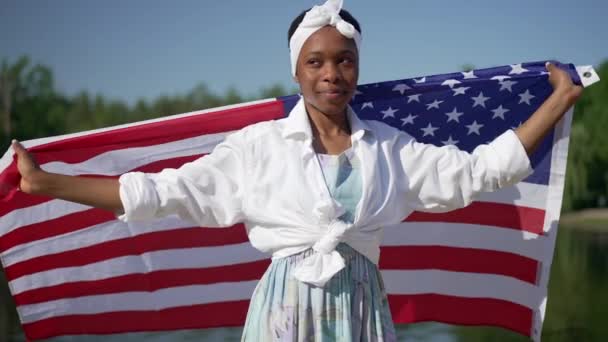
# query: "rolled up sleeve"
208, 191
445, 178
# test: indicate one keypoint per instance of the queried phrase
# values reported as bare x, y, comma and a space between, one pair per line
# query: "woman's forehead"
329, 39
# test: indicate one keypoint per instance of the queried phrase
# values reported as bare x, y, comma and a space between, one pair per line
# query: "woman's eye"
347, 60
313, 62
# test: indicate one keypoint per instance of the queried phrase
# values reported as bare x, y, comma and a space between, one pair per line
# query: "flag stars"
420, 80
357, 92
450, 141
460, 90
408, 119
480, 100
468, 74
434, 104
451, 82
454, 115
506, 85
500, 78
415, 97
390, 112
429, 130
499, 112
517, 69
474, 128
367, 105
526, 97
401, 88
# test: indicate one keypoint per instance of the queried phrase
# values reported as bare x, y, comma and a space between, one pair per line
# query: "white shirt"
267, 176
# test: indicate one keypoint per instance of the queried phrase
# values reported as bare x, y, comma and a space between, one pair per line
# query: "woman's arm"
565, 93
97, 192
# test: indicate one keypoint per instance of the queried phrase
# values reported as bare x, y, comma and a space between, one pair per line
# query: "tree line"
31, 107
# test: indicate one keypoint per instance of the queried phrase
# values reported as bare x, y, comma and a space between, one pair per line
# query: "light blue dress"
352, 306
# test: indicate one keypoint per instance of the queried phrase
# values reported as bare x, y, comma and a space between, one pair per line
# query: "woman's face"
327, 70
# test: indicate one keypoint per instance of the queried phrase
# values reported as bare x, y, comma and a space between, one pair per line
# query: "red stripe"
61, 225
78, 149
136, 245
490, 214
404, 309
146, 282
222, 314
458, 260
463, 311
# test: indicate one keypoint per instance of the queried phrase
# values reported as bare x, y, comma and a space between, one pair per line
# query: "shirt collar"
297, 124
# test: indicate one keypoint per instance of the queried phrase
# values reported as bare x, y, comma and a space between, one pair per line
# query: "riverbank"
588, 219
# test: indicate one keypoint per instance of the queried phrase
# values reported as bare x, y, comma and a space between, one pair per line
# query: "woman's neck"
331, 133
323, 124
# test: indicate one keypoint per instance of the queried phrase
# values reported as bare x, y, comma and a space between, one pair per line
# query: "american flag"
75, 271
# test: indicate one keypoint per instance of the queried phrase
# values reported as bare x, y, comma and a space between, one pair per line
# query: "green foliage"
587, 172
37, 110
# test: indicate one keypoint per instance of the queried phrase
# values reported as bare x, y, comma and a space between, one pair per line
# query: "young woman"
347, 178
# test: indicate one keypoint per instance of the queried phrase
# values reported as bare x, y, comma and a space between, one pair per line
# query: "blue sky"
144, 48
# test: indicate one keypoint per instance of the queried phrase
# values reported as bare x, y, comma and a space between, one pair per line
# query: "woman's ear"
295, 79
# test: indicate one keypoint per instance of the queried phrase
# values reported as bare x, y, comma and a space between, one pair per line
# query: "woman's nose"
331, 72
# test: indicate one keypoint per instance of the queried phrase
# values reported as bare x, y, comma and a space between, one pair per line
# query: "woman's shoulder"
258, 131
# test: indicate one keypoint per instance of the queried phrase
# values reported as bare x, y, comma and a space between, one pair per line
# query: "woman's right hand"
28, 168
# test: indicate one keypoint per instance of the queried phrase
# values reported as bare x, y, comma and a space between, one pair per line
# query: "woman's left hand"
562, 84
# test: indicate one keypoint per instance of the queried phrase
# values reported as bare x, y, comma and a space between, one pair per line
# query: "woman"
348, 178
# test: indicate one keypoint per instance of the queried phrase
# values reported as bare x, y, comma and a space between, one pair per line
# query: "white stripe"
186, 258
522, 194
139, 301
559, 157
6, 160
93, 235
38, 213
460, 284
119, 161
466, 236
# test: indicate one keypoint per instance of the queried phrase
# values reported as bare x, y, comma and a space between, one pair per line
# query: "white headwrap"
316, 18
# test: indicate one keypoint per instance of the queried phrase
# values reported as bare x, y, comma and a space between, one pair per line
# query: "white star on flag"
526, 97
474, 128
451, 82
429, 130
506, 85
415, 97
454, 115
420, 80
460, 90
367, 105
401, 88
500, 78
499, 112
409, 119
468, 74
480, 100
517, 69
450, 141
390, 112
434, 104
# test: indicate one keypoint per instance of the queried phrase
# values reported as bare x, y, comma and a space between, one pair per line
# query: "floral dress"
352, 306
